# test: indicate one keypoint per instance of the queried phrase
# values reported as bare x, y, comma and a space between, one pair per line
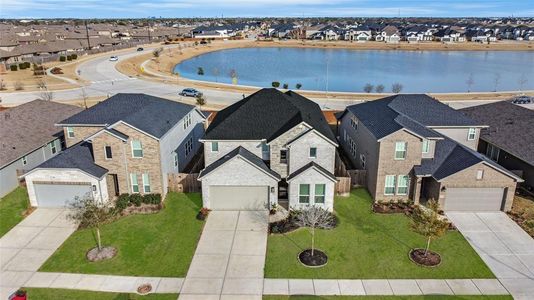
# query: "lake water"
346, 70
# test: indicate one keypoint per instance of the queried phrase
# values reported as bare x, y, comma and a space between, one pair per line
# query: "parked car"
140, 49
114, 58
190, 92
522, 100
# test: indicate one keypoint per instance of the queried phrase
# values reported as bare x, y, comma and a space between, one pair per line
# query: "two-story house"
269, 148
128, 143
417, 148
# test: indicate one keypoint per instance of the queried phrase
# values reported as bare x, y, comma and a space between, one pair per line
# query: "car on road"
523, 100
190, 92
114, 58
140, 49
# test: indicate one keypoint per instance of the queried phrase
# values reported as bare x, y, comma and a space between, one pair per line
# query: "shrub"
13, 67
62, 58
298, 86
136, 199
152, 198
27, 65
69, 57
286, 86
74, 56
275, 84
122, 202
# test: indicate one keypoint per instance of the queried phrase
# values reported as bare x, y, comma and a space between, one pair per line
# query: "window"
319, 193
146, 183
108, 153
265, 148
24, 160
471, 134
304, 193
52, 146
70, 132
283, 156
492, 152
480, 174
313, 152
402, 186
187, 120
390, 185
189, 146
175, 158
135, 185
426, 146
353, 148
362, 160
400, 150
214, 146
354, 124
137, 149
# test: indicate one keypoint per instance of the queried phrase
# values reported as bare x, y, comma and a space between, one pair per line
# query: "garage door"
474, 199
58, 195
239, 197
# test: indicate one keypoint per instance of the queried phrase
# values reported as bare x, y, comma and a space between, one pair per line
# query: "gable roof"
510, 127
309, 166
150, 114
267, 114
29, 126
244, 153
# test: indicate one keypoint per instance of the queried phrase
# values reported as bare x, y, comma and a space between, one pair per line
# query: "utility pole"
87, 35
148, 29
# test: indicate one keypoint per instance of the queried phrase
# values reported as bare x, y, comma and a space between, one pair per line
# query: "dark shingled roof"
26, 127
249, 156
510, 127
312, 165
267, 114
150, 114
79, 156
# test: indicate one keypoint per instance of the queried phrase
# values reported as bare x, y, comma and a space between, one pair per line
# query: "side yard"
160, 244
13, 208
366, 245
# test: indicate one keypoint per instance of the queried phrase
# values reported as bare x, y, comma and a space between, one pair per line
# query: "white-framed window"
480, 174
187, 120
319, 193
304, 193
471, 134
214, 146
52, 146
189, 146
313, 152
146, 183
265, 148
426, 146
402, 185
400, 150
390, 185
107, 152
24, 160
175, 158
362, 160
137, 149
283, 156
70, 132
134, 183
353, 148
354, 124
492, 152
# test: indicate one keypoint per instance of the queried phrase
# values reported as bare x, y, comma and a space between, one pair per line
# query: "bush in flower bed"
393, 207
131, 203
290, 223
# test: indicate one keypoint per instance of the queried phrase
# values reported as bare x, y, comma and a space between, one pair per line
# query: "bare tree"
216, 73
314, 217
200, 100
46, 95
470, 81
157, 52
496, 81
379, 88
86, 212
368, 88
18, 85
84, 96
2, 85
41, 84
427, 222
522, 81
396, 88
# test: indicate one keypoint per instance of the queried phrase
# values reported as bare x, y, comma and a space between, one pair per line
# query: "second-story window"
313, 152
400, 150
283, 156
187, 120
265, 148
354, 124
137, 149
426, 146
70, 132
471, 134
107, 152
188, 146
53, 148
214, 146
492, 152
175, 158
24, 160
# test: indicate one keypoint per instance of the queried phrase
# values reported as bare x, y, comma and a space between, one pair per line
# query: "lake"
345, 70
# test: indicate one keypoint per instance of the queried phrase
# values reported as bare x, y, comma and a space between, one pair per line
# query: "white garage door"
59, 195
239, 197
473, 199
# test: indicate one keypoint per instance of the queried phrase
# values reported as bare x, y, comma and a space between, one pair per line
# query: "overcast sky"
261, 8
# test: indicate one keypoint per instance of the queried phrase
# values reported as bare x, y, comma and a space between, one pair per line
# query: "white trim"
305, 133
509, 174
145, 184
59, 169
133, 127
394, 185
316, 169
473, 126
241, 157
136, 183
104, 130
132, 147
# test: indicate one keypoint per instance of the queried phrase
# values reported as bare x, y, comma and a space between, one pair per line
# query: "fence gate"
184, 182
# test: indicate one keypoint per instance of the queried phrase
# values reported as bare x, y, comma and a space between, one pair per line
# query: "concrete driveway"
29, 244
230, 257
503, 245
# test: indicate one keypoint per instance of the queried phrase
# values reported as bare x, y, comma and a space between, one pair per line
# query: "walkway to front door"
230, 256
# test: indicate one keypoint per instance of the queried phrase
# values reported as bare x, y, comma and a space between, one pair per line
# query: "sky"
262, 8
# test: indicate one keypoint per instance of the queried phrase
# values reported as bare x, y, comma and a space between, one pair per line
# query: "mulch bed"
103, 254
392, 208
318, 259
526, 224
283, 226
432, 259
143, 209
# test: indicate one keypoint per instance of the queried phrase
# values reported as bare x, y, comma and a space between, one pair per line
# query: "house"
389, 34
509, 140
416, 148
271, 148
128, 143
29, 138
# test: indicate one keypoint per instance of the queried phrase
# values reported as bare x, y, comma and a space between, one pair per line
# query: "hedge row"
68, 57
125, 200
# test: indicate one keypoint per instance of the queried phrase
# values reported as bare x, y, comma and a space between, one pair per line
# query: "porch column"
417, 190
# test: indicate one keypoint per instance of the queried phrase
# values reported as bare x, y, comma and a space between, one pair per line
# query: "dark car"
522, 100
140, 49
190, 92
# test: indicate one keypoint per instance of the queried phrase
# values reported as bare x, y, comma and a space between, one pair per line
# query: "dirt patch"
318, 259
431, 259
523, 213
105, 253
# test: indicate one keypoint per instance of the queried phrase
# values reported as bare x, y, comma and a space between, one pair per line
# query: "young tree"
379, 88
368, 88
286, 86
396, 88
298, 86
200, 100
86, 212
496, 81
427, 222
470, 81
200, 71
216, 73
233, 76
84, 96
312, 218
275, 84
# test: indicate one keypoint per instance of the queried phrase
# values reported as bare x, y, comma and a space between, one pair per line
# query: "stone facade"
226, 147
311, 177
80, 133
280, 143
300, 152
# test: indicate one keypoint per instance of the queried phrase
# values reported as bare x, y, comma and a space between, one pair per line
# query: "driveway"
230, 256
29, 244
503, 245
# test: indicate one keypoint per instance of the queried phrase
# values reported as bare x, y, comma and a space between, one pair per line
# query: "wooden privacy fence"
343, 186
358, 177
184, 182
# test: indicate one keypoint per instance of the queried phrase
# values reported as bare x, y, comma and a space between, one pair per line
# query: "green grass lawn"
368, 245
427, 297
12, 208
53, 294
159, 244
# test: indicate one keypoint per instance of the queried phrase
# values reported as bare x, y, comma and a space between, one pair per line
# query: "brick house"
417, 148
128, 143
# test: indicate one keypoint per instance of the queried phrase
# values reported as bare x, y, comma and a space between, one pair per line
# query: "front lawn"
426, 297
12, 209
366, 245
160, 244
53, 294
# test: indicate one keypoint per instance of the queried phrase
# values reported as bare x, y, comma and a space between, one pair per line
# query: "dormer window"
70, 132
313, 152
214, 146
471, 134
137, 149
400, 150
426, 146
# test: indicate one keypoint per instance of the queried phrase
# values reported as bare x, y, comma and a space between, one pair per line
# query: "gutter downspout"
126, 166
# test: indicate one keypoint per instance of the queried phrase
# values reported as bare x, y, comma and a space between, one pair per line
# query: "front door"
113, 185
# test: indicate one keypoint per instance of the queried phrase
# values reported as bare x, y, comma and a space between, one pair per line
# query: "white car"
114, 58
